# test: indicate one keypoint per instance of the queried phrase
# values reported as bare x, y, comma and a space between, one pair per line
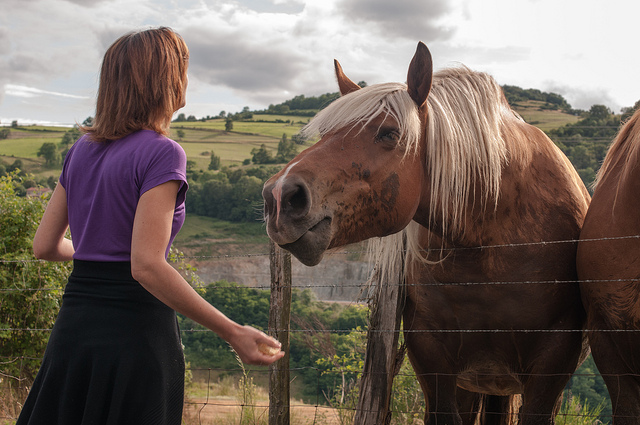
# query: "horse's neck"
616, 200
541, 199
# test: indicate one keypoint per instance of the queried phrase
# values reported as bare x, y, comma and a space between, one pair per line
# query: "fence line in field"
322, 412
320, 406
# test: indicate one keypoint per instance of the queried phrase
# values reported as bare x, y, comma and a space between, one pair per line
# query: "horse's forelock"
362, 106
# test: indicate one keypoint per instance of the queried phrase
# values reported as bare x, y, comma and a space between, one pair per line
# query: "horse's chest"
490, 378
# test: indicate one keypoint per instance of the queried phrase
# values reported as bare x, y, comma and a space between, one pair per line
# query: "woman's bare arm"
151, 234
49, 242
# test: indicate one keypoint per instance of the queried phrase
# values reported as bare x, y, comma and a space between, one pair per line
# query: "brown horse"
443, 163
609, 270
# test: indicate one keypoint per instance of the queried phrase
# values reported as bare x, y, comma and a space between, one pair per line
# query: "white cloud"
400, 18
257, 52
30, 92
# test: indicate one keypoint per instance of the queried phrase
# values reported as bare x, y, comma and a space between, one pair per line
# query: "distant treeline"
309, 106
516, 94
302, 105
586, 141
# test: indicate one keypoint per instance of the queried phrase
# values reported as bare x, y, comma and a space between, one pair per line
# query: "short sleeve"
168, 163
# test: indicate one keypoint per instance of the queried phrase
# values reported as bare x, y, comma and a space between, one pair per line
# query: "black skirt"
114, 355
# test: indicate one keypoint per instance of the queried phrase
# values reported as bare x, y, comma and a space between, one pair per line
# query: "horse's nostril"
295, 200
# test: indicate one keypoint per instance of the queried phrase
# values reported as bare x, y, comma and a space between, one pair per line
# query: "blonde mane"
464, 141
625, 146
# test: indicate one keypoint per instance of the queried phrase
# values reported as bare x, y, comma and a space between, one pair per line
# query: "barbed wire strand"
481, 247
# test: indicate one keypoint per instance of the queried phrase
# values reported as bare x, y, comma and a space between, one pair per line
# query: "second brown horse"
609, 270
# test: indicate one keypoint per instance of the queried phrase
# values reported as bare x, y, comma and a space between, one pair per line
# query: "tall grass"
11, 399
250, 400
578, 412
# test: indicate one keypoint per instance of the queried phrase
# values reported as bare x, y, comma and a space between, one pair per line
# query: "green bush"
31, 289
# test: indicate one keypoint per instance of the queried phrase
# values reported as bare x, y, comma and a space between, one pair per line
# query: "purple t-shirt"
104, 182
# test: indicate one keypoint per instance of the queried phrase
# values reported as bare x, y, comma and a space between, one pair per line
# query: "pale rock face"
334, 279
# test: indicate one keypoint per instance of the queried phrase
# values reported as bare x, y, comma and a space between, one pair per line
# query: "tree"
228, 125
627, 112
70, 137
66, 139
16, 166
4, 133
88, 122
14, 123
32, 289
180, 118
50, 153
587, 384
215, 162
180, 133
581, 157
286, 150
261, 155
599, 112
298, 139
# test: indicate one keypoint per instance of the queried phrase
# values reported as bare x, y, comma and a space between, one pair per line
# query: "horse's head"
365, 176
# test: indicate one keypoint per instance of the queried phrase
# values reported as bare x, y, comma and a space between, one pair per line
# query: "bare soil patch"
228, 410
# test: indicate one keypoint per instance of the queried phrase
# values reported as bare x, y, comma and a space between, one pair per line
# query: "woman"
114, 355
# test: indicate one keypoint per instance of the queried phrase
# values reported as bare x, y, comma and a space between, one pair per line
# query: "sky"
260, 52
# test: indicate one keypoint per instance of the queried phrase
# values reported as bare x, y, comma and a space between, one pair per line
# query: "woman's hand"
247, 341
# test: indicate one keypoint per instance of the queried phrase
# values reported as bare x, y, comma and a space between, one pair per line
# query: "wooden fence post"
279, 319
381, 356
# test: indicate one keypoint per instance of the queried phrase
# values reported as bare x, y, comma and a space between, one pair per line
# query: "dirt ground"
227, 411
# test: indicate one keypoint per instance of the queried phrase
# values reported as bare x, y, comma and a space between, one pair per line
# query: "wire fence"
202, 404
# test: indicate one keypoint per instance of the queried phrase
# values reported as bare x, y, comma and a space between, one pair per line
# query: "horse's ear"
420, 75
346, 85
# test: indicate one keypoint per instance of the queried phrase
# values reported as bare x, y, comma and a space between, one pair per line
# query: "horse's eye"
390, 137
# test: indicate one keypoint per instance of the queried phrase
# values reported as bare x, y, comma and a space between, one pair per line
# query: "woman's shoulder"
149, 147
154, 140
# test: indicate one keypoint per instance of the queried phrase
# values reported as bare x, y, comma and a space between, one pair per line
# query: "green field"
264, 125
233, 147
199, 227
200, 138
533, 113
24, 142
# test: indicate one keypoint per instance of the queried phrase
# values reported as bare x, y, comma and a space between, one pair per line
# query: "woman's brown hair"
142, 83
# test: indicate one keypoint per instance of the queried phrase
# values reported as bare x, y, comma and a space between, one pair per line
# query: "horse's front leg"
440, 398
541, 399
617, 356
469, 405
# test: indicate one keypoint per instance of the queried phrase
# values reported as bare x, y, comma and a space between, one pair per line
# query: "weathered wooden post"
381, 357
279, 319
